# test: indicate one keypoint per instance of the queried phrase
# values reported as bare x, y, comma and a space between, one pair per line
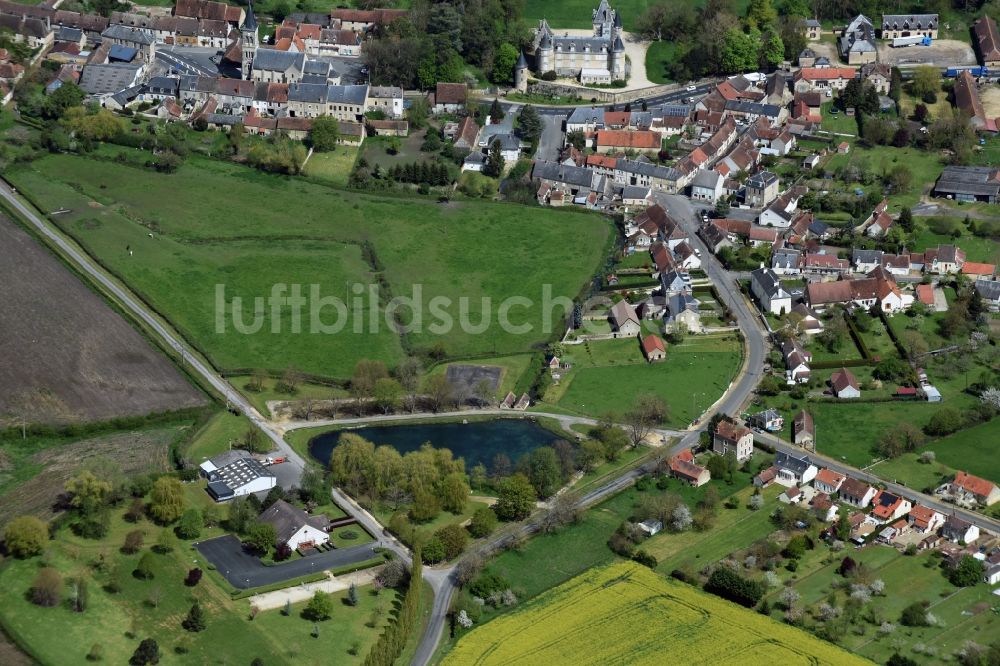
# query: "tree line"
438, 41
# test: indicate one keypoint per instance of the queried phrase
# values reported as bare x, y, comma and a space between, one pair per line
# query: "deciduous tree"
26, 536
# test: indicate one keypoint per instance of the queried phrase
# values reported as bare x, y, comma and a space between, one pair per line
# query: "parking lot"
244, 570
941, 53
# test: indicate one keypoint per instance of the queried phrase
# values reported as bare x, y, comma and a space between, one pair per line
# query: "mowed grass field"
607, 375
213, 226
625, 613
577, 13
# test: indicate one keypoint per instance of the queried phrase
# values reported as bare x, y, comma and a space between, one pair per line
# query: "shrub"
644, 558
148, 652
731, 585
433, 551
144, 570
193, 576
133, 542
189, 526
915, 615
96, 652
484, 521
46, 590
488, 583
453, 538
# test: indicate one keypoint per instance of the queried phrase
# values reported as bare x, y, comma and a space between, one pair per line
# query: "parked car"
692, 88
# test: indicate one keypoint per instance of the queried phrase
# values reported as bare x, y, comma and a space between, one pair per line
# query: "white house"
793, 470
707, 186
827, 481
294, 526
856, 493
730, 437
925, 519
767, 288
958, 530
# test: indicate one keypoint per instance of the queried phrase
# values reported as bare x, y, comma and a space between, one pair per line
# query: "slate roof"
287, 520
586, 115
790, 462
129, 34
272, 60
988, 289
971, 180
108, 78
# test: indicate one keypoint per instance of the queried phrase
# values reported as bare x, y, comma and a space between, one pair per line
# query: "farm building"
235, 474
969, 183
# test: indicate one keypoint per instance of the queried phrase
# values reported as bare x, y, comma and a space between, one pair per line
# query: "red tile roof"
825, 73
921, 516
973, 268
731, 431
925, 294
974, 484
830, 478
625, 139
652, 343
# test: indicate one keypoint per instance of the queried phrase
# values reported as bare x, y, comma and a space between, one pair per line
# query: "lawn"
658, 56
924, 167
342, 245
908, 470
216, 436
839, 122
333, 167
577, 13
155, 608
975, 450
608, 374
977, 248
643, 612
849, 430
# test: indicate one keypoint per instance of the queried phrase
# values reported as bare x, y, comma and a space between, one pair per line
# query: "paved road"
244, 570
551, 140
674, 97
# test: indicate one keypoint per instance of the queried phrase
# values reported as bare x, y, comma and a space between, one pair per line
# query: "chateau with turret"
599, 58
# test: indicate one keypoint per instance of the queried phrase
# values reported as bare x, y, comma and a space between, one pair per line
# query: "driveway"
244, 570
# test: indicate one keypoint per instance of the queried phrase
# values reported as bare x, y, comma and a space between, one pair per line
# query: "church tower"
248, 31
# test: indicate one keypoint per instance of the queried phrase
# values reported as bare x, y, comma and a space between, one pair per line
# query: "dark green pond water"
476, 442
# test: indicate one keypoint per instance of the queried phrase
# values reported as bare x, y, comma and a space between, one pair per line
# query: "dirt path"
304, 592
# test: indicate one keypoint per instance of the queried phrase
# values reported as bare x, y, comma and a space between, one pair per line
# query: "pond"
476, 442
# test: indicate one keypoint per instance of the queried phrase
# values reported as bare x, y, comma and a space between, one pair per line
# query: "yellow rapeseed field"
626, 614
